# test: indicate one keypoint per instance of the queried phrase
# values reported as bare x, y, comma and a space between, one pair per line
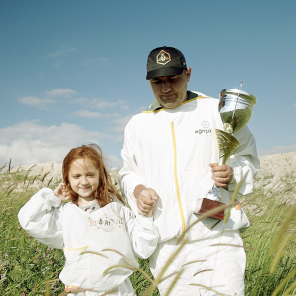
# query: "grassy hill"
29, 268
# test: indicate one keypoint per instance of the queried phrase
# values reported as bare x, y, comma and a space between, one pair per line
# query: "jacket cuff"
49, 195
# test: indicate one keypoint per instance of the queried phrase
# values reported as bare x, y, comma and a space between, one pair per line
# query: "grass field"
29, 268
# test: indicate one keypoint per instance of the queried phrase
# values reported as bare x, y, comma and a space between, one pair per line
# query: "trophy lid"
240, 93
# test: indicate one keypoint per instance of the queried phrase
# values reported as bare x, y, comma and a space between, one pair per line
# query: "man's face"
171, 91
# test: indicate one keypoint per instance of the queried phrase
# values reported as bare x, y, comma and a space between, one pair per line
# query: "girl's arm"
142, 233
41, 217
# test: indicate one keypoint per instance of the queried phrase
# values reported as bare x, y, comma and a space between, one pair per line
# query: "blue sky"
73, 72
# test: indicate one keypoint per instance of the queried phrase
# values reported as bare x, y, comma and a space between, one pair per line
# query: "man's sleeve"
129, 175
244, 162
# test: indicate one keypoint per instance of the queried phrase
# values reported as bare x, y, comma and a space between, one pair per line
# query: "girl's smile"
84, 179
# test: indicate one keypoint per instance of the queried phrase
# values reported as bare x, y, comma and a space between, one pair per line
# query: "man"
169, 152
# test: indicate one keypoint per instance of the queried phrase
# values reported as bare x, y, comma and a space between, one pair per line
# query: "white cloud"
111, 161
35, 101
277, 149
61, 92
103, 104
95, 62
62, 51
105, 60
118, 138
120, 123
91, 114
29, 142
87, 114
42, 103
294, 104
58, 64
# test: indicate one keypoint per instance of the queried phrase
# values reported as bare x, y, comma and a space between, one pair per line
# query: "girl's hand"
146, 202
62, 193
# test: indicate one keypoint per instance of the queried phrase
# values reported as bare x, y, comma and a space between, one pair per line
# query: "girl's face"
84, 178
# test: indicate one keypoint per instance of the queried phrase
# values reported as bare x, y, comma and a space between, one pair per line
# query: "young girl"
95, 220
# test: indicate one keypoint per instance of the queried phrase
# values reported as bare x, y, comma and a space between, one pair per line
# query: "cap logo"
163, 57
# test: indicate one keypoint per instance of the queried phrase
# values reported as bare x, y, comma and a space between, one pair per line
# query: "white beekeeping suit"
66, 226
169, 150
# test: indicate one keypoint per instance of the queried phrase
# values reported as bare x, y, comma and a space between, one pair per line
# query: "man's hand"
146, 200
62, 193
221, 174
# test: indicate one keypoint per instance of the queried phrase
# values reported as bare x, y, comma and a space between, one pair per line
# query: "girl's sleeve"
143, 234
41, 217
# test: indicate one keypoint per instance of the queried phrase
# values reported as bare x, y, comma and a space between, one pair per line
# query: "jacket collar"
155, 105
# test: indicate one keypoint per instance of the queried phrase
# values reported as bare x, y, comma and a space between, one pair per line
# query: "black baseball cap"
165, 61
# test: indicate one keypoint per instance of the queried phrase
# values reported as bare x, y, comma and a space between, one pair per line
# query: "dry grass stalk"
204, 216
88, 290
168, 263
112, 250
134, 268
10, 191
17, 169
292, 287
283, 229
235, 192
280, 252
208, 288
171, 274
47, 289
174, 282
44, 176
92, 252
283, 282
26, 176
34, 180
193, 262
1, 168
160, 278
9, 186
231, 245
49, 181
202, 271
3, 178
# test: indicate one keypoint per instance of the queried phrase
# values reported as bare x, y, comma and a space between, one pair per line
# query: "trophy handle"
226, 144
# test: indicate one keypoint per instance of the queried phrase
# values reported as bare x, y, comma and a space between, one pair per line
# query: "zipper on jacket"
176, 177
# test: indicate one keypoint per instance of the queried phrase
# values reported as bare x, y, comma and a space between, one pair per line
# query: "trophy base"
208, 204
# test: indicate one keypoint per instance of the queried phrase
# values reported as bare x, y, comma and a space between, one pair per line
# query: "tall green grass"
273, 235
29, 268
25, 264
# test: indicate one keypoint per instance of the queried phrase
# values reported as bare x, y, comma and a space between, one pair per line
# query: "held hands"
61, 192
221, 174
146, 200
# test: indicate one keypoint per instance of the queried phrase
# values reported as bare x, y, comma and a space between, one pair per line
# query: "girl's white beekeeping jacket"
169, 150
66, 226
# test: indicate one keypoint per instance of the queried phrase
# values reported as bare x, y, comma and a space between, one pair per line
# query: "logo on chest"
105, 223
204, 130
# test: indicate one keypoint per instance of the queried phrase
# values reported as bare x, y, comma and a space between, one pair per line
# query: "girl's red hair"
106, 190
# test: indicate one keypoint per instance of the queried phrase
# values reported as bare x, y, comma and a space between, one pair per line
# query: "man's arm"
132, 184
244, 163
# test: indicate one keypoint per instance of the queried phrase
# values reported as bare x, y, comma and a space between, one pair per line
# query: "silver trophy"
235, 107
